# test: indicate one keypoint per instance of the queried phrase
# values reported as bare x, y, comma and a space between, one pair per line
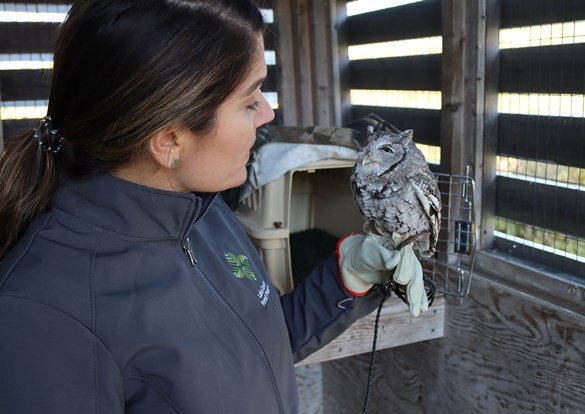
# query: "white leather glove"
409, 272
368, 260
365, 261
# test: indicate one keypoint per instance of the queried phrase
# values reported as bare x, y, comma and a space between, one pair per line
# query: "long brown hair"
124, 69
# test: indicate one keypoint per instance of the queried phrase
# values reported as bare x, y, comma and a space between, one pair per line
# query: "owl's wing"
427, 192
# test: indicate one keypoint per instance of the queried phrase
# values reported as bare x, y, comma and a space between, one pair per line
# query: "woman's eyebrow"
254, 86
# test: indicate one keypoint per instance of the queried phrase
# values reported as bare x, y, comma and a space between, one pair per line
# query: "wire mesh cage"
451, 268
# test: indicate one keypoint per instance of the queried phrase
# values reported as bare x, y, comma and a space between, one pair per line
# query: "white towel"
275, 159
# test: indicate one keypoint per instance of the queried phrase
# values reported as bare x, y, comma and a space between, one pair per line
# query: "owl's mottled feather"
396, 192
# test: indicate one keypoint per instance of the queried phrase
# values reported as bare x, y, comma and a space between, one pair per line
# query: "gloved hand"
368, 260
365, 261
409, 272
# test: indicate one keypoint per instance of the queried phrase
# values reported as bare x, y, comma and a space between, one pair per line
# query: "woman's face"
217, 161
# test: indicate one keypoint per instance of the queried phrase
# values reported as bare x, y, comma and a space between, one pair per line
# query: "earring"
175, 163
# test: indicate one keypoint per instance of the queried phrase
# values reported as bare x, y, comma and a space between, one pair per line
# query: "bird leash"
386, 290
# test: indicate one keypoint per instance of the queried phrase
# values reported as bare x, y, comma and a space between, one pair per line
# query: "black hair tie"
49, 139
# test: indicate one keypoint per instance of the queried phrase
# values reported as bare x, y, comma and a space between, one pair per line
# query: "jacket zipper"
189, 252
193, 260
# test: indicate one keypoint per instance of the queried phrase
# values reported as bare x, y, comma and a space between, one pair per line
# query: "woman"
116, 291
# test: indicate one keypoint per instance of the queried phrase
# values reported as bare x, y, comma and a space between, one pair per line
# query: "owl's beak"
368, 159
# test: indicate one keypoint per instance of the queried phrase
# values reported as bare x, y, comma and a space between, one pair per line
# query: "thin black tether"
386, 290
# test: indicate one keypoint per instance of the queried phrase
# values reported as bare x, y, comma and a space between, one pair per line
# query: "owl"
396, 193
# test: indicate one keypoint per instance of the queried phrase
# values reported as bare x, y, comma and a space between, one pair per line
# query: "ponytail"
30, 172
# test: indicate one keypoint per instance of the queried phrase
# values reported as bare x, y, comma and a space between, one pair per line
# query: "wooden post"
463, 91
487, 143
340, 61
324, 97
303, 59
285, 55
462, 85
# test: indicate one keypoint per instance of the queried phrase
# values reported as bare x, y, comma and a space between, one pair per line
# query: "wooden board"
396, 328
547, 69
39, 2
536, 12
419, 19
27, 37
270, 38
403, 73
16, 127
25, 85
542, 138
546, 206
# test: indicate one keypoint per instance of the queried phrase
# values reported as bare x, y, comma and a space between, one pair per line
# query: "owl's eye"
386, 149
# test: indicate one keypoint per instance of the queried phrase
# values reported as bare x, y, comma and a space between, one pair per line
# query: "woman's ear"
164, 148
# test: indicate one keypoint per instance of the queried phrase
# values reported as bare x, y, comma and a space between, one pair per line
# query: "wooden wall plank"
270, 84
27, 37
420, 19
42, 2
24, 84
270, 38
554, 139
541, 205
12, 128
536, 12
546, 69
426, 123
408, 73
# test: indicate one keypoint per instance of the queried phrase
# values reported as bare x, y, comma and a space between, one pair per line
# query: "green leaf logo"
240, 265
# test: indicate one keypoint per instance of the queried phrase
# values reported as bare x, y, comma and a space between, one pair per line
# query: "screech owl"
396, 192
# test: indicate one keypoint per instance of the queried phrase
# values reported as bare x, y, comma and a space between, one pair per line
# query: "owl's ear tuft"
408, 134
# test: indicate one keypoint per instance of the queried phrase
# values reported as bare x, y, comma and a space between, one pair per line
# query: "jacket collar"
130, 209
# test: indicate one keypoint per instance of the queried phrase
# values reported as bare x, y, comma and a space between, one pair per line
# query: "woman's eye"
254, 106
